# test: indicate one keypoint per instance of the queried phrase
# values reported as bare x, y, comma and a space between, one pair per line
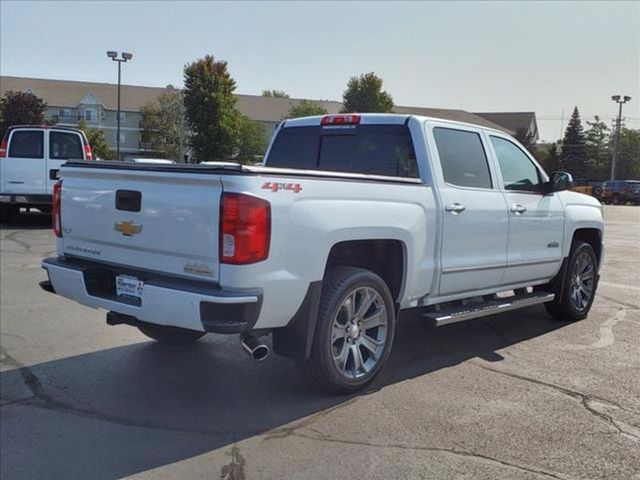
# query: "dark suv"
619, 192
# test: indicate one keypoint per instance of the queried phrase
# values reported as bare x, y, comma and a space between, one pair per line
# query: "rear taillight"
245, 229
3, 148
55, 211
87, 152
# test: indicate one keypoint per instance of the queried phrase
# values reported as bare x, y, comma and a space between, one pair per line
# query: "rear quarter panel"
307, 224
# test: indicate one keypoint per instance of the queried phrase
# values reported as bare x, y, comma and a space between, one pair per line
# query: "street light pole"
114, 56
616, 140
118, 114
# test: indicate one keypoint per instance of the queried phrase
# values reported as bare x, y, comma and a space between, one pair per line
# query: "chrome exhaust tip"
254, 347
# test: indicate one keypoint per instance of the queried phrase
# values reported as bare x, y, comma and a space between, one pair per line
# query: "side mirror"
559, 181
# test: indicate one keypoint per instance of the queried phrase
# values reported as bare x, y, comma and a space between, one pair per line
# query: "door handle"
455, 208
54, 174
518, 209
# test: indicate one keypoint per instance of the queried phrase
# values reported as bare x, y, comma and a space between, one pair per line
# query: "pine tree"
553, 161
598, 140
574, 157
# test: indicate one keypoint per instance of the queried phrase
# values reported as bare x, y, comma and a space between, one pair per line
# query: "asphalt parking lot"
514, 396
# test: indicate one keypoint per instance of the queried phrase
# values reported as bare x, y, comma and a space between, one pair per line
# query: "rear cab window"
374, 149
26, 144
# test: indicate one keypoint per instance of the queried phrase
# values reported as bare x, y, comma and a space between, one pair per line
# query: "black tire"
344, 284
170, 335
597, 191
566, 308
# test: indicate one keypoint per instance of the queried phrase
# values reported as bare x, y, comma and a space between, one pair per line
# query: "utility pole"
113, 56
616, 139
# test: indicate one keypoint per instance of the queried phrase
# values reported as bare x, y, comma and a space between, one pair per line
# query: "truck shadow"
33, 220
117, 412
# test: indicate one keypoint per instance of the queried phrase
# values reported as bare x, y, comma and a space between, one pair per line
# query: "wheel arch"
593, 236
385, 257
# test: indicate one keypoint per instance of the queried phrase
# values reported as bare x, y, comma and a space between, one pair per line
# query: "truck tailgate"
162, 220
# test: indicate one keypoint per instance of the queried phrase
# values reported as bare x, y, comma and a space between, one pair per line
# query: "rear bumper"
24, 199
165, 300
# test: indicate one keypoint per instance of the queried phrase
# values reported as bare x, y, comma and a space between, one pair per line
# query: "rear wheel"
170, 335
354, 331
579, 287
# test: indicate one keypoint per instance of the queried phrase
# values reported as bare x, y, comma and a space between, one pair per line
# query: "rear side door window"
463, 158
519, 173
27, 144
65, 146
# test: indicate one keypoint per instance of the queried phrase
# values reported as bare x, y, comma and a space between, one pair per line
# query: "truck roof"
379, 118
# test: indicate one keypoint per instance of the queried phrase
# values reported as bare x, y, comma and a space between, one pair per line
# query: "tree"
306, 108
20, 108
628, 163
365, 94
252, 141
163, 125
275, 94
527, 139
598, 141
210, 109
98, 142
553, 160
574, 149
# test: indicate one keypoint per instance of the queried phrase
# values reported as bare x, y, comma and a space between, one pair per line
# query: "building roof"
69, 93
513, 120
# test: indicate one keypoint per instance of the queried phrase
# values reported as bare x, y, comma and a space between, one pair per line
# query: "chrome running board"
445, 316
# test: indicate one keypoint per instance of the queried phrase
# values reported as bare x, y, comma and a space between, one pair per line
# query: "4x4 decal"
277, 186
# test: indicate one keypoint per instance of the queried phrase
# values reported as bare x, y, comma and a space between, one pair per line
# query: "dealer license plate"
130, 286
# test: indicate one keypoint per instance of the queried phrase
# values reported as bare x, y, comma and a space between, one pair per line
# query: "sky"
545, 57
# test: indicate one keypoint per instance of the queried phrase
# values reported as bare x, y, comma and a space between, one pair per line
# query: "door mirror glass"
560, 181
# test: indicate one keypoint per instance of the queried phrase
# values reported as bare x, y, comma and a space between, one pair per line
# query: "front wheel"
579, 287
170, 335
354, 331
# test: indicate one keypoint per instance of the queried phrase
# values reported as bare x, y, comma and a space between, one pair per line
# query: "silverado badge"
128, 228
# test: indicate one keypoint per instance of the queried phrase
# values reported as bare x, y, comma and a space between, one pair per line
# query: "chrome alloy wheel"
582, 281
359, 332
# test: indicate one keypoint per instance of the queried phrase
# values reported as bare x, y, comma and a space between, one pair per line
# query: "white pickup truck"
351, 219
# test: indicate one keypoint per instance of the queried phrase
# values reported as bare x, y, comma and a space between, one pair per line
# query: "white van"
30, 159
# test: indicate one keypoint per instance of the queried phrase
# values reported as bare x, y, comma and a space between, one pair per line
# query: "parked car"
620, 192
30, 159
588, 187
352, 219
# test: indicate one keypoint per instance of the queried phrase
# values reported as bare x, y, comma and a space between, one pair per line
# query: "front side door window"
518, 171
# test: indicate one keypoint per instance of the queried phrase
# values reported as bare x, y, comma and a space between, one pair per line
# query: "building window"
123, 117
122, 137
65, 113
90, 114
